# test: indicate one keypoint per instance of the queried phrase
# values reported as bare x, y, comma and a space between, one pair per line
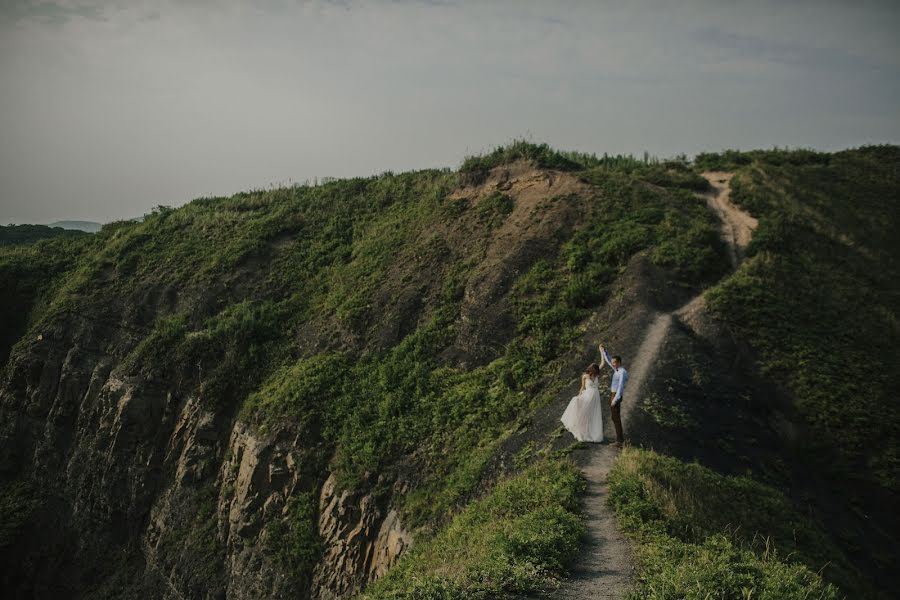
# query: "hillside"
293, 392
760, 379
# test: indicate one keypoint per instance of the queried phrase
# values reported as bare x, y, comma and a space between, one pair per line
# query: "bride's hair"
593, 370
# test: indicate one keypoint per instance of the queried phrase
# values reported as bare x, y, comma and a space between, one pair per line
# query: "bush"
475, 168
295, 538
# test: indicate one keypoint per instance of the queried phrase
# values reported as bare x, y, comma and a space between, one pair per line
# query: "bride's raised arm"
604, 358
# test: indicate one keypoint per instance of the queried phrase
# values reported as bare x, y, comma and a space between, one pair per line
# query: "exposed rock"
362, 541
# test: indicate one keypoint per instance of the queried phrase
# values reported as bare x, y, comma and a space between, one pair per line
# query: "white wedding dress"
584, 416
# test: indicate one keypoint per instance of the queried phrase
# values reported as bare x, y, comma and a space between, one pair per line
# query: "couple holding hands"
584, 415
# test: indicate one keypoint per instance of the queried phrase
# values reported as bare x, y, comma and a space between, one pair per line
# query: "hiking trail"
605, 566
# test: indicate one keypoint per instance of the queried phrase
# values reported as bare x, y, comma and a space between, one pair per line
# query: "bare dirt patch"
546, 207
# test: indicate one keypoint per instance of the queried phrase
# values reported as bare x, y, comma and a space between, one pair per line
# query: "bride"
583, 416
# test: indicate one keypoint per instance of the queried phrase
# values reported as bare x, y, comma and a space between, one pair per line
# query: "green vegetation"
669, 173
728, 160
455, 417
408, 403
668, 413
818, 298
273, 304
542, 155
29, 276
494, 209
672, 222
202, 543
699, 534
295, 540
516, 539
189, 544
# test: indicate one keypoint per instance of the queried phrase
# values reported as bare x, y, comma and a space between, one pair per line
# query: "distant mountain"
89, 226
27, 234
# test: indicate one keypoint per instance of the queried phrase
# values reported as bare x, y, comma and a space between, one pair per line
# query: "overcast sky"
108, 109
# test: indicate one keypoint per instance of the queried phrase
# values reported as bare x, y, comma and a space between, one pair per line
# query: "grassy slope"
699, 534
818, 299
29, 274
516, 539
817, 302
456, 417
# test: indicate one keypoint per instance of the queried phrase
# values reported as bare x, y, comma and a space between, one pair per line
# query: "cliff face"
138, 475
130, 465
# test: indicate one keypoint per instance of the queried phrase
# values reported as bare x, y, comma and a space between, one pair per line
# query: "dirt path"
643, 361
737, 225
605, 566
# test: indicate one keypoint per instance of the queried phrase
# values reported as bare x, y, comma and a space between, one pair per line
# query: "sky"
108, 109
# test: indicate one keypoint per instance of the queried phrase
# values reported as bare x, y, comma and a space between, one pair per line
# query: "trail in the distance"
737, 225
605, 567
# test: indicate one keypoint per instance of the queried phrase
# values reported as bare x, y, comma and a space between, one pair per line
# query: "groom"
617, 386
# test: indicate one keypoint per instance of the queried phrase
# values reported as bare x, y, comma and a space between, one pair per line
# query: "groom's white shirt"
619, 379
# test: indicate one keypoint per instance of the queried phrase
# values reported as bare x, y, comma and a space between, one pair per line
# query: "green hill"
818, 300
278, 392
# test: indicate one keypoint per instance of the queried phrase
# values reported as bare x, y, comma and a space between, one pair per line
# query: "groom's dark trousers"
614, 409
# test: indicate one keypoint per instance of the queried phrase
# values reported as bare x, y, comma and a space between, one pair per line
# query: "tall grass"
698, 534
517, 539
